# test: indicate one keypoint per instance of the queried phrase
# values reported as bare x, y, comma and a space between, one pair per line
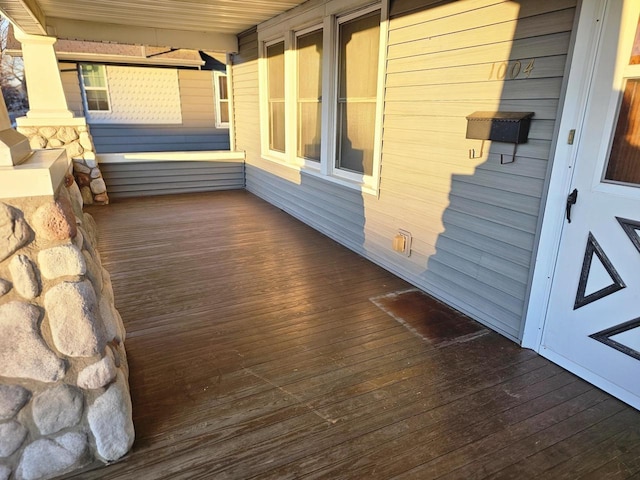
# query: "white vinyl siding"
71, 87
474, 221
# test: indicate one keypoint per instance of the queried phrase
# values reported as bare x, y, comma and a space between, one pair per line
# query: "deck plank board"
257, 350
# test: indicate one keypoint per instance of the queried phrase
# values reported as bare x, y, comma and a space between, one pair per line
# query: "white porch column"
46, 95
49, 124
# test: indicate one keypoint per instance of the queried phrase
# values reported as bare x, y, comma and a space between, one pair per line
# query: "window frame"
326, 16
219, 100
308, 162
372, 180
265, 122
86, 88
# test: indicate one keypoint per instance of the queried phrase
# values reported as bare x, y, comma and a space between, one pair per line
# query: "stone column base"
75, 138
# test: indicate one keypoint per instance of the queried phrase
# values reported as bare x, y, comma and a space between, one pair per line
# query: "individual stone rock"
5, 472
75, 197
12, 399
37, 142
48, 132
98, 186
61, 261
67, 134
80, 167
110, 319
5, 287
55, 143
55, 220
74, 319
78, 241
23, 353
87, 196
93, 271
49, 457
85, 141
82, 128
101, 198
15, 233
110, 421
99, 374
90, 159
27, 131
90, 227
74, 149
24, 276
95, 173
84, 179
12, 434
57, 408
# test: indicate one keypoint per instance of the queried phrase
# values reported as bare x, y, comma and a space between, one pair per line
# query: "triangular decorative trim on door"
604, 336
618, 284
630, 227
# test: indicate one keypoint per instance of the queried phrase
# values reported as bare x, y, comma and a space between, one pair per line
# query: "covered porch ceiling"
198, 24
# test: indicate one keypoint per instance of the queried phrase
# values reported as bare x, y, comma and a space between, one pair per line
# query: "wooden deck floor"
256, 352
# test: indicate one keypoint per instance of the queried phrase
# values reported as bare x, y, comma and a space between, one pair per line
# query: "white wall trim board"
200, 156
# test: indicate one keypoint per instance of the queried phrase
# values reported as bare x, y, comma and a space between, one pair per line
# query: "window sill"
314, 172
342, 182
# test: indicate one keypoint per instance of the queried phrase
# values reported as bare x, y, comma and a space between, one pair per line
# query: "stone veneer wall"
77, 141
64, 395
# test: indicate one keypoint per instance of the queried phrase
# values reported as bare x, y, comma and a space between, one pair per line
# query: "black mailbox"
509, 127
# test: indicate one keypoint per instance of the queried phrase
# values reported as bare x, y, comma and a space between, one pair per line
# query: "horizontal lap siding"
474, 221
196, 132
334, 210
158, 178
157, 138
246, 109
71, 87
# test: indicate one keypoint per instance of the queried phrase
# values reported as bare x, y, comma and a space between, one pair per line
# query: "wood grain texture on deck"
256, 352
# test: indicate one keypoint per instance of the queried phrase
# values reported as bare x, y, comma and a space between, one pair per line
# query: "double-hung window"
222, 100
309, 94
275, 96
94, 83
358, 50
320, 92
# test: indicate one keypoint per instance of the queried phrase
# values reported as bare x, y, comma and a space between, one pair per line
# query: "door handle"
571, 200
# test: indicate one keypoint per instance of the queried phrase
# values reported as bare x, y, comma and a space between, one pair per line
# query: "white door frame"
588, 38
572, 115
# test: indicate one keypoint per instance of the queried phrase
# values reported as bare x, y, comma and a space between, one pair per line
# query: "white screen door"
593, 320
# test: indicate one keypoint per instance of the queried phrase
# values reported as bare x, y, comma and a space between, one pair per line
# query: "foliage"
12, 80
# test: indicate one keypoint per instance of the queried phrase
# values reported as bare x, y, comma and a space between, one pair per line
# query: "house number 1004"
511, 70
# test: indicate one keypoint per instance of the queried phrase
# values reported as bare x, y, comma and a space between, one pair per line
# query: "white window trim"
296, 22
216, 90
370, 181
85, 88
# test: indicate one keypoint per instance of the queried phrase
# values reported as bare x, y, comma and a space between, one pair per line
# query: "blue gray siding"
196, 132
135, 179
474, 221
